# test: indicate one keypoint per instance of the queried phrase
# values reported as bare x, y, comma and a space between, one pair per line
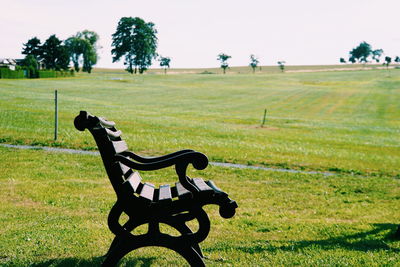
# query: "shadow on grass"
372, 240
95, 261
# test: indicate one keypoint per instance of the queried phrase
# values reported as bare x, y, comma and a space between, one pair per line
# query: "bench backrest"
109, 143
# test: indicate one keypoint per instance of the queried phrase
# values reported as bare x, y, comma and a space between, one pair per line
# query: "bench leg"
397, 234
191, 256
184, 229
117, 251
124, 246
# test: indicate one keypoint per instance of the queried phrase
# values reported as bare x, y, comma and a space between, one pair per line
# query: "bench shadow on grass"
373, 240
95, 261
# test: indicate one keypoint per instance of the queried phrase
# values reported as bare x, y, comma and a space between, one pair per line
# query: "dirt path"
220, 164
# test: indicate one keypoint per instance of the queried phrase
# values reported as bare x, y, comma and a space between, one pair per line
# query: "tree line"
363, 53
135, 43
55, 54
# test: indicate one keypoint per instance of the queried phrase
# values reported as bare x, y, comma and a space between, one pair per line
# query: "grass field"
54, 206
331, 121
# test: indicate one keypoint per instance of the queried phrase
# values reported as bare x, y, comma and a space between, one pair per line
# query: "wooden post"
265, 114
55, 115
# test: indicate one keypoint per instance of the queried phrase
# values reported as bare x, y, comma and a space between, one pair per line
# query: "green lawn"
346, 122
54, 206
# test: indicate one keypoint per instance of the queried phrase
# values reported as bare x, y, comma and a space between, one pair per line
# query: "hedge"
6, 73
55, 74
47, 74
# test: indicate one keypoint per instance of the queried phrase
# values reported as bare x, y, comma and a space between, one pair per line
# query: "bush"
47, 74
55, 74
207, 72
66, 73
6, 73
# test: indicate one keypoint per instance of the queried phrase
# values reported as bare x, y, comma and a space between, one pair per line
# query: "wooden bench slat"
134, 181
120, 146
113, 134
147, 192
165, 193
181, 191
201, 185
106, 123
215, 188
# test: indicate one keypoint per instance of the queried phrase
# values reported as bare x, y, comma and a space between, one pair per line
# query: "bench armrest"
153, 159
179, 159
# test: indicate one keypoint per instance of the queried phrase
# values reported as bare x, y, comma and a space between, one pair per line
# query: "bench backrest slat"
120, 146
133, 182
113, 134
105, 123
125, 170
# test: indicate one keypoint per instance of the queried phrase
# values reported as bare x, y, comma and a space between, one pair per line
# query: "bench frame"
146, 205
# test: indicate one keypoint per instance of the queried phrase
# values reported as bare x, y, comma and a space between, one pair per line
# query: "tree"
342, 60
89, 58
89, 49
253, 62
32, 47
31, 65
282, 65
75, 47
55, 55
387, 62
82, 48
362, 52
223, 58
352, 59
376, 55
135, 40
397, 59
164, 62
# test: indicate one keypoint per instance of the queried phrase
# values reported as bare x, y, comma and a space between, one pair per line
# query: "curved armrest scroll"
198, 160
180, 159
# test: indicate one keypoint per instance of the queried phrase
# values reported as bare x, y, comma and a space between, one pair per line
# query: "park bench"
143, 203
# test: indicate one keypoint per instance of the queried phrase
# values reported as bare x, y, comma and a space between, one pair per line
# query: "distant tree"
253, 62
282, 65
135, 40
63, 60
90, 49
82, 48
397, 59
342, 60
387, 62
360, 53
164, 62
91, 36
376, 55
31, 65
223, 58
33, 48
75, 48
54, 54
352, 59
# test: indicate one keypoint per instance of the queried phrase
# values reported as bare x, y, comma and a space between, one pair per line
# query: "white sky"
193, 33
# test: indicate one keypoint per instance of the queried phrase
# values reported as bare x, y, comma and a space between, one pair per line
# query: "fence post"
265, 114
55, 115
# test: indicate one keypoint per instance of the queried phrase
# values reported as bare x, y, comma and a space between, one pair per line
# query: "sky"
192, 33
